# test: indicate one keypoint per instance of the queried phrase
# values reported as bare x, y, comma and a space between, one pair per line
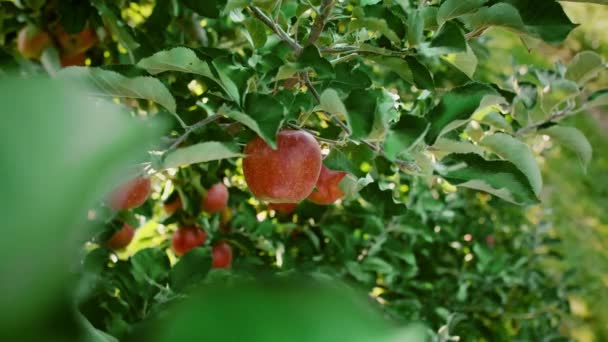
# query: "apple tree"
326, 141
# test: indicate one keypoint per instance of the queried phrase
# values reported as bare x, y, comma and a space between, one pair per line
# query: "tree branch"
193, 128
555, 116
258, 13
319, 24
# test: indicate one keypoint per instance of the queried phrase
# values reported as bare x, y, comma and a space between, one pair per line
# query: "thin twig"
406, 165
558, 115
315, 135
258, 13
193, 128
317, 97
319, 24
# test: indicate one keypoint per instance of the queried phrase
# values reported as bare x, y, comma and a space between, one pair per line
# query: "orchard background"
470, 135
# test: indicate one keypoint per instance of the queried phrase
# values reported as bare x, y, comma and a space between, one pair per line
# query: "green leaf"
518, 153
545, 19
236, 4
104, 83
311, 58
191, 269
348, 78
74, 15
375, 25
584, 67
497, 177
350, 158
263, 114
449, 39
150, 265
500, 14
257, 32
458, 104
464, 61
199, 153
415, 27
455, 8
497, 120
117, 26
404, 134
79, 143
598, 98
296, 309
382, 200
444, 147
331, 103
207, 8
182, 59
361, 107
572, 139
179, 59
558, 92
385, 113
409, 69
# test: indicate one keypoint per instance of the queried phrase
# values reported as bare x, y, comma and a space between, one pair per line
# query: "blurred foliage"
443, 113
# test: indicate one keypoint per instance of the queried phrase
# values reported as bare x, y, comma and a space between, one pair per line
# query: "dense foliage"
440, 156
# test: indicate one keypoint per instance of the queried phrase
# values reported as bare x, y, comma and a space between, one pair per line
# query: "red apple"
173, 204
73, 44
327, 190
186, 238
283, 208
31, 42
130, 195
121, 238
221, 254
287, 174
216, 198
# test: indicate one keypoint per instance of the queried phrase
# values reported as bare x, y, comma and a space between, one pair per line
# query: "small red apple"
287, 174
73, 44
31, 42
327, 190
121, 238
173, 204
130, 195
186, 238
216, 198
283, 208
221, 254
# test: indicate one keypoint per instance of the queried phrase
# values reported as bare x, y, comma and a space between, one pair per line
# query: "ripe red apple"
287, 174
121, 238
31, 42
216, 198
221, 254
130, 195
283, 208
73, 44
73, 60
186, 238
327, 190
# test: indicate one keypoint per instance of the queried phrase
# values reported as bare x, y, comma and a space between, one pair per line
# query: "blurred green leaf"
199, 153
585, 66
572, 139
500, 178
518, 153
